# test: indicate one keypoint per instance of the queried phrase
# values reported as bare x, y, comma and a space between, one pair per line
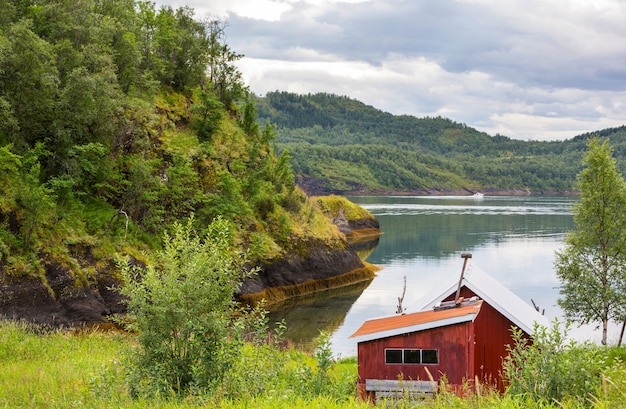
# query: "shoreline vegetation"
111, 134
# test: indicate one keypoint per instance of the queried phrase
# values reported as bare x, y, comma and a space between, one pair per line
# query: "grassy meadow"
84, 369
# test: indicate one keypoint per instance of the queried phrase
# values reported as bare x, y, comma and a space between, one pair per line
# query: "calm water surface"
513, 238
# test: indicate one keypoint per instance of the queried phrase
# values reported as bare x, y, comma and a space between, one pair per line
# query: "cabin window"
393, 356
430, 356
412, 356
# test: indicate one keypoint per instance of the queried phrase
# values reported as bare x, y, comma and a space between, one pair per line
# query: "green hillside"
340, 144
118, 119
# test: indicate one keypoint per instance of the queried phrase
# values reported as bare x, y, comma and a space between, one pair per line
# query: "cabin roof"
417, 321
492, 292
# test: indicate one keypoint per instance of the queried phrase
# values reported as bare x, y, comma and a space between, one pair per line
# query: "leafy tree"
592, 266
208, 113
29, 82
8, 12
10, 165
119, 32
173, 45
147, 18
248, 121
228, 199
8, 124
182, 309
9, 178
224, 77
90, 175
190, 57
141, 194
88, 108
181, 189
37, 205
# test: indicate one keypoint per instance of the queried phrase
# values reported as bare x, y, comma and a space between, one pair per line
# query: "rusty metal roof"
417, 321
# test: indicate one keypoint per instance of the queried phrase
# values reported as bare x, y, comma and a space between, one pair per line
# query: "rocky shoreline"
314, 187
323, 268
60, 300
451, 192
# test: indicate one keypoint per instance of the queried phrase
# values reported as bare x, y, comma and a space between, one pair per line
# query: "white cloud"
260, 9
528, 69
268, 10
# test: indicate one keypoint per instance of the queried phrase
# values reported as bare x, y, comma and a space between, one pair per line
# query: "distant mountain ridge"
342, 145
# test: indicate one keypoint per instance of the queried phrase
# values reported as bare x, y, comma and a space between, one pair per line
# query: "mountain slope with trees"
118, 119
342, 145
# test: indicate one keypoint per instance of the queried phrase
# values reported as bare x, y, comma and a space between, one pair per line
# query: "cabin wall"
452, 342
492, 335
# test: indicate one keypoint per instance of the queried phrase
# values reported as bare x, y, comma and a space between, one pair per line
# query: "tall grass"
83, 370
52, 369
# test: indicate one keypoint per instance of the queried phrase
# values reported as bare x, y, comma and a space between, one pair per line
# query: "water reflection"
436, 227
365, 249
512, 238
322, 311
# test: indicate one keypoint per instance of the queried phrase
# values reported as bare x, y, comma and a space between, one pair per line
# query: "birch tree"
592, 266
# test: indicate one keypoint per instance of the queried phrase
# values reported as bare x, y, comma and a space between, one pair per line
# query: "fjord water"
513, 238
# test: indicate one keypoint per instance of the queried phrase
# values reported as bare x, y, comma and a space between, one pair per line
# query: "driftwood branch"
400, 309
115, 216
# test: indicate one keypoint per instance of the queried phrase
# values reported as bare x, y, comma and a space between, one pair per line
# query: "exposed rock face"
320, 263
66, 303
322, 268
348, 226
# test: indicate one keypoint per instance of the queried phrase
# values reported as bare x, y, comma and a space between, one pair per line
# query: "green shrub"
551, 369
182, 312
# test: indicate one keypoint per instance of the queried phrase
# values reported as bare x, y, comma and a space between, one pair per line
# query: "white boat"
478, 195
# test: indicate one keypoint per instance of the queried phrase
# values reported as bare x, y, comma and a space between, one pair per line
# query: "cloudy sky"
528, 69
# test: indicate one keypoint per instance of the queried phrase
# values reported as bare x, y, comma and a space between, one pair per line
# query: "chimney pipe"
464, 256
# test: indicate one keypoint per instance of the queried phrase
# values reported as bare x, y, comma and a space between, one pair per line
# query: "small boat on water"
478, 195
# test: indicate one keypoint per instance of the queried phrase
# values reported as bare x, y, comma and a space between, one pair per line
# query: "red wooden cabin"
460, 330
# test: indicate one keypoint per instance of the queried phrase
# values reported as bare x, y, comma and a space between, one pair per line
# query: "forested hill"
117, 120
340, 144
